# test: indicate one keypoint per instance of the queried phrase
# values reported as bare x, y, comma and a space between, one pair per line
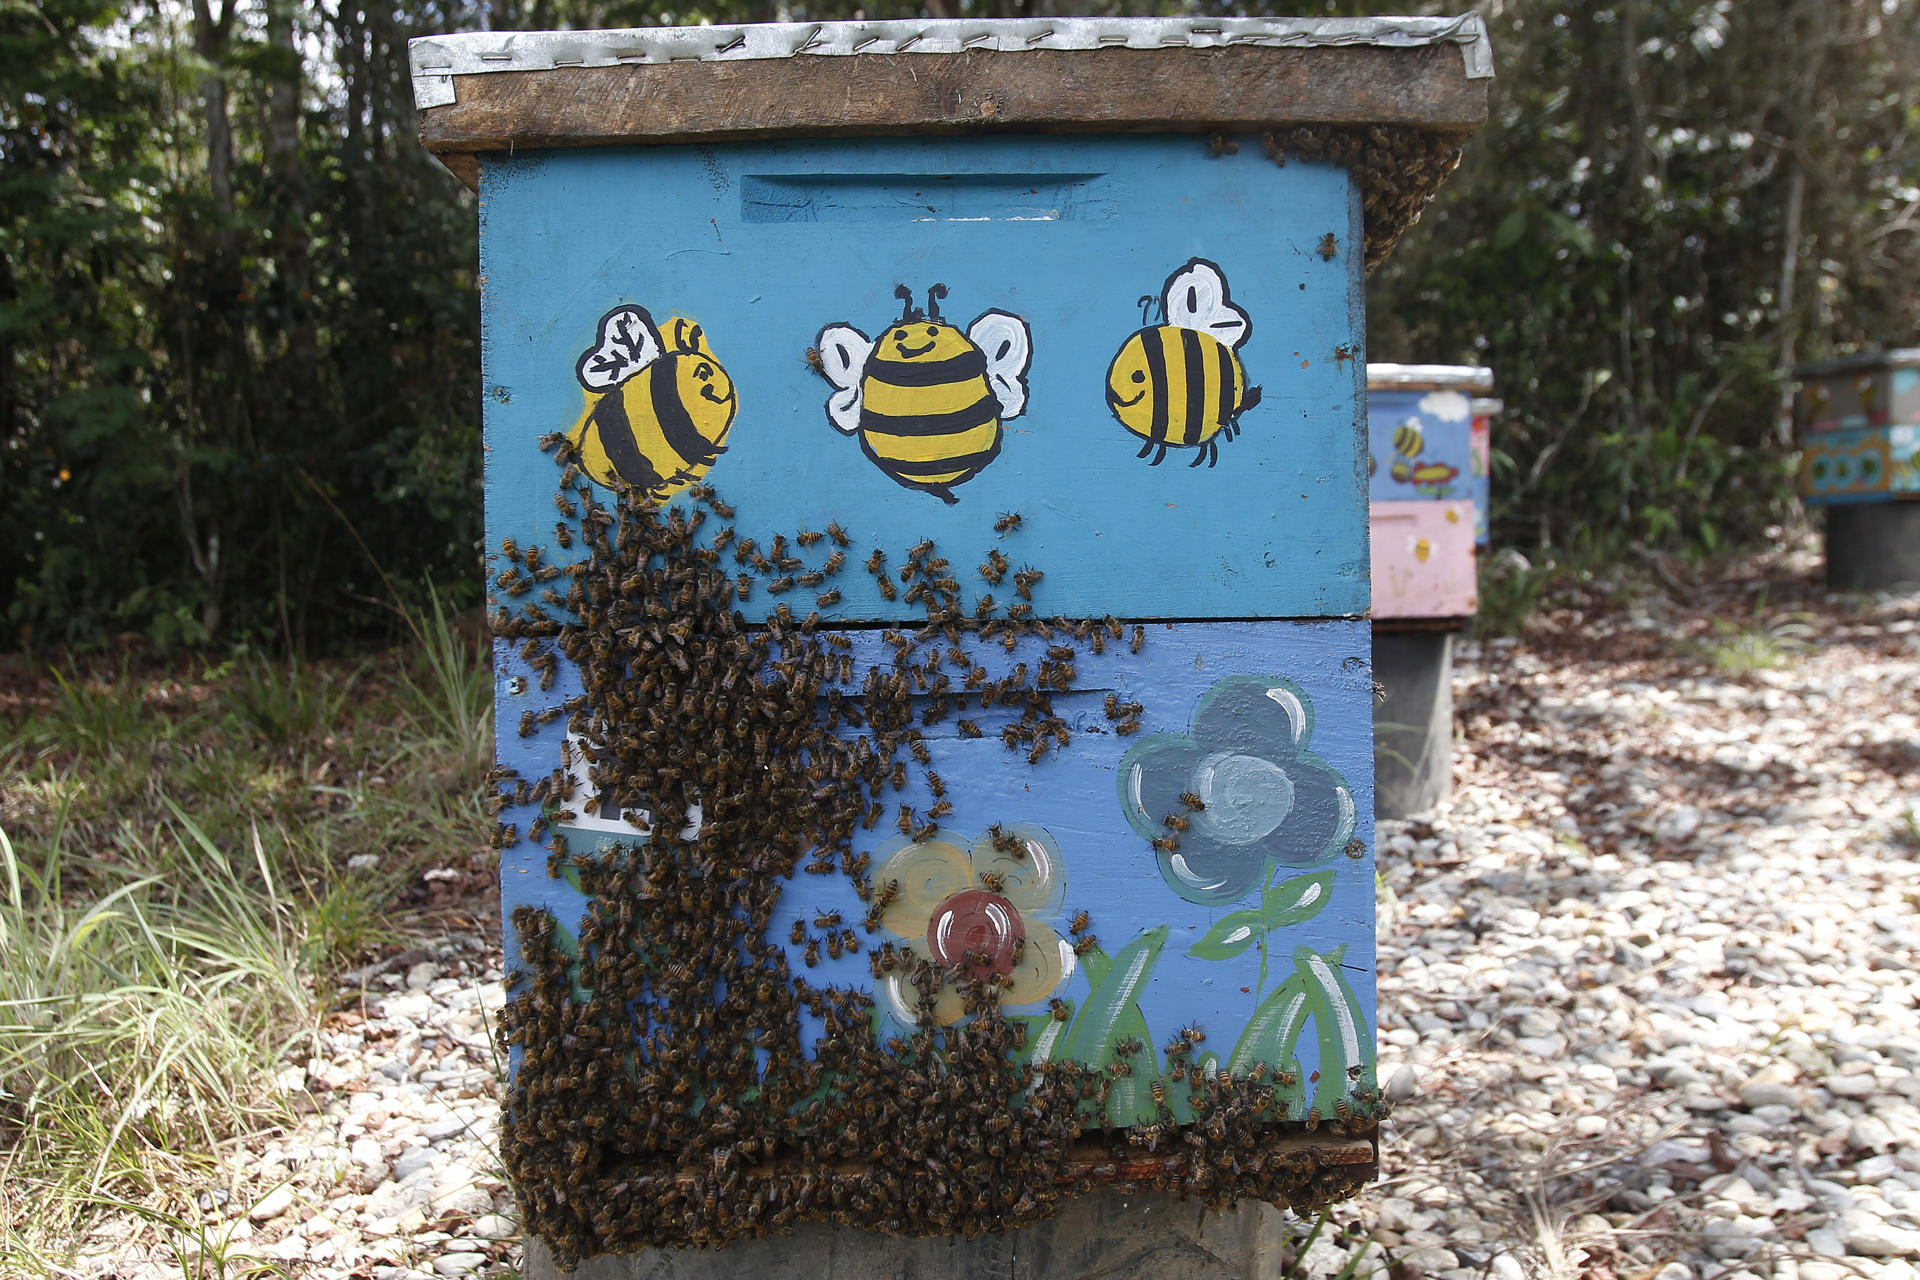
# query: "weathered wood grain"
1050, 91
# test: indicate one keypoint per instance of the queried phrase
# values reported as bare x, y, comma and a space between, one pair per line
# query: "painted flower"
1263, 797
957, 901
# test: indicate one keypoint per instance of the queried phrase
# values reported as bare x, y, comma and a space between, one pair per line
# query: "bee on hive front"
1179, 384
658, 406
927, 400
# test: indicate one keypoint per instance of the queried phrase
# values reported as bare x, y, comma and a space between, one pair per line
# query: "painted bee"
1178, 384
657, 415
926, 400
1408, 441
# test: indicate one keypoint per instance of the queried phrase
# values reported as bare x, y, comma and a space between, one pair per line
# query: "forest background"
239, 332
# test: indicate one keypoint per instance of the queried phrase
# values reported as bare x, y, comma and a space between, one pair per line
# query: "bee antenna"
907, 311
934, 295
1146, 307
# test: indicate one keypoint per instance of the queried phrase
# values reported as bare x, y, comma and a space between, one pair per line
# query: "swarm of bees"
666, 1093
1397, 168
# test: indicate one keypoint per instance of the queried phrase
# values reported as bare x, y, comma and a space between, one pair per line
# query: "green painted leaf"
1274, 1028
1045, 1035
1130, 1098
1095, 964
1231, 934
1096, 1028
1296, 901
1339, 1024
570, 872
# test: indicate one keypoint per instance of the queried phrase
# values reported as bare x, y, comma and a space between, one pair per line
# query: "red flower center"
975, 930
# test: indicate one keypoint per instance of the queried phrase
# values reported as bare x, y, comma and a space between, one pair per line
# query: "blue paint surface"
1111, 871
766, 244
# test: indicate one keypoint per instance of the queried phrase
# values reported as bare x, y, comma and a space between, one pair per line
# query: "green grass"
1762, 644
175, 893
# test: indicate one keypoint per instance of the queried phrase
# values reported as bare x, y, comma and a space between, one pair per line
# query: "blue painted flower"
1263, 797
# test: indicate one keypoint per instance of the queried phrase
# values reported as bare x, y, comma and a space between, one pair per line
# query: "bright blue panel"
1438, 427
1319, 674
765, 245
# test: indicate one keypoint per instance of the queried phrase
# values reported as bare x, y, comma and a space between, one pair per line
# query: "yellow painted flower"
979, 909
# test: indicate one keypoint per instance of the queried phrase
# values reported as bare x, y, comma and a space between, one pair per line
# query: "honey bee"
1007, 523
993, 881
928, 401
799, 933
1139, 638
1080, 923
657, 415
1192, 801
1194, 348
1329, 247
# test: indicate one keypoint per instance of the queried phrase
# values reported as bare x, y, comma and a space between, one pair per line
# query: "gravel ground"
1648, 983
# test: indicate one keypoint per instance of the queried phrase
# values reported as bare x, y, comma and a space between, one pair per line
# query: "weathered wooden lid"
502, 91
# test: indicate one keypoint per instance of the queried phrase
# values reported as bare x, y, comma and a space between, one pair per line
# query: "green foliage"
284, 703
184, 855
231, 287
1674, 201
1763, 644
137, 1020
1510, 586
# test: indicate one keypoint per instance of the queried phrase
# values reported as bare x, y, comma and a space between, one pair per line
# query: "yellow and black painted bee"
659, 406
1408, 441
1179, 384
928, 401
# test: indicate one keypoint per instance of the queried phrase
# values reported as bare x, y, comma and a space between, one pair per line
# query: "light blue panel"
764, 245
1442, 466
1110, 870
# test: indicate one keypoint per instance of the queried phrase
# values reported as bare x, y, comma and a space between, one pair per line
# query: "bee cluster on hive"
1397, 168
668, 1089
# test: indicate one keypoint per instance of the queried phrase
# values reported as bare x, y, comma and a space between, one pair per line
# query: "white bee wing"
1008, 346
1196, 298
628, 344
843, 358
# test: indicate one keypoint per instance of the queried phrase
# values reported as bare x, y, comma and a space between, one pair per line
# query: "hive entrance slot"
925, 197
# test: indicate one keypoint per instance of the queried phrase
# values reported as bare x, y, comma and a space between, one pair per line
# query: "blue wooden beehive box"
926, 510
